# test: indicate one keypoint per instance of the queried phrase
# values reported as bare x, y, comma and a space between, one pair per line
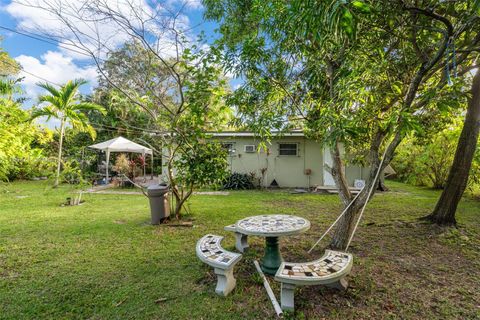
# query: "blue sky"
54, 63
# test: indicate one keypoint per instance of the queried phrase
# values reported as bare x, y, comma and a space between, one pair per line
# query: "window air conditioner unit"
250, 148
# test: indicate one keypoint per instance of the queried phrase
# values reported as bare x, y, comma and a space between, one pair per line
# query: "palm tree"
9, 87
66, 105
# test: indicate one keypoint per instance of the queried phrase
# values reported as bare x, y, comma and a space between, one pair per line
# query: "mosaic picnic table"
272, 226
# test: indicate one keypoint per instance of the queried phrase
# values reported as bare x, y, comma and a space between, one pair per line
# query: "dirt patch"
401, 270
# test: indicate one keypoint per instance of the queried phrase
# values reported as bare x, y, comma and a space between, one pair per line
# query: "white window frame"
249, 145
297, 150
231, 149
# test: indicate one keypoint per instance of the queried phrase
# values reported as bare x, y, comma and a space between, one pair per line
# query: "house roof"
233, 134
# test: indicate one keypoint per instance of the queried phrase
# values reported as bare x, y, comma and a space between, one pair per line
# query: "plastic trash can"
159, 206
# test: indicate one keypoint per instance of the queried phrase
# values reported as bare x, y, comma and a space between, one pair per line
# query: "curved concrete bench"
211, 252
330, 270
241, 240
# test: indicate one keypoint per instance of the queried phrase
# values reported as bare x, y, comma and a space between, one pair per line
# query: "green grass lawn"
102, 260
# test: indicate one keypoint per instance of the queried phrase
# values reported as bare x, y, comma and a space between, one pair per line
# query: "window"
288, 149
229, 146
250, 148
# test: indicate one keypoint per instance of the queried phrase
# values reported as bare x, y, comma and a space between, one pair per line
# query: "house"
291, 161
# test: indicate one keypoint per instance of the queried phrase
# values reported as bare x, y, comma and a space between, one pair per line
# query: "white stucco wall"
288, 171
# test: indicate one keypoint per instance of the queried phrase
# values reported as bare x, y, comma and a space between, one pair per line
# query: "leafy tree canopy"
359, 73
8, 65
21, 143
346, 69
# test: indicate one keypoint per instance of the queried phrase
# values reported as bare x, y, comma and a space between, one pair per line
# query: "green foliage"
288, 54
131, 75
66, 105
9, 87
239, 181
31, 165
183, 97
474, 179
72, 173
426, 161
8, 65
128, 167
122, 165
122, 117
203, 164
345, 71
21, 143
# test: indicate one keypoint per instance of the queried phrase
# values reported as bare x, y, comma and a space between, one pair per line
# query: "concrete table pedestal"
273, 258
272, 226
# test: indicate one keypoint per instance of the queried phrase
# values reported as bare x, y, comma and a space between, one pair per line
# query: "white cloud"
188, 4
102, 25
39, 16
97, 32
55, 67
195, 4
94, 30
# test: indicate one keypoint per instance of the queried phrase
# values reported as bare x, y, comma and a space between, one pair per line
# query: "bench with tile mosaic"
241, 240
210, 251
331, 263
330, 270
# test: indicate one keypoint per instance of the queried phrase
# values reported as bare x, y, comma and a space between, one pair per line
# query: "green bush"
427, 161
21, 144
239, 181
72, 173
203, 165
425, 164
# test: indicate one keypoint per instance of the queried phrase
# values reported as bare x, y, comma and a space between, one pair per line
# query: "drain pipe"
274, 301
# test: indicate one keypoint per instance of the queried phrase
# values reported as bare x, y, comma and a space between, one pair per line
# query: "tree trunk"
338, 174
178, 207
180, 202
178, 191
381, 182
59, 159
444, 212
345, 225
173, 187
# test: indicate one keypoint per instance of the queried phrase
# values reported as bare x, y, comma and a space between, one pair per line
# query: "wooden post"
151, 168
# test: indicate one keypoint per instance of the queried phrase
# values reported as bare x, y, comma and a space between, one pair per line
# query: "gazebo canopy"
121, 144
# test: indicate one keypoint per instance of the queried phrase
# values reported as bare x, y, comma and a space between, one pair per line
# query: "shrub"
202, 165
239, 181
21, 144
427, 161
122, 164
72, 173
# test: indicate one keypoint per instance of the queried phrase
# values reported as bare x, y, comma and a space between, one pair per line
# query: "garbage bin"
159, 207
